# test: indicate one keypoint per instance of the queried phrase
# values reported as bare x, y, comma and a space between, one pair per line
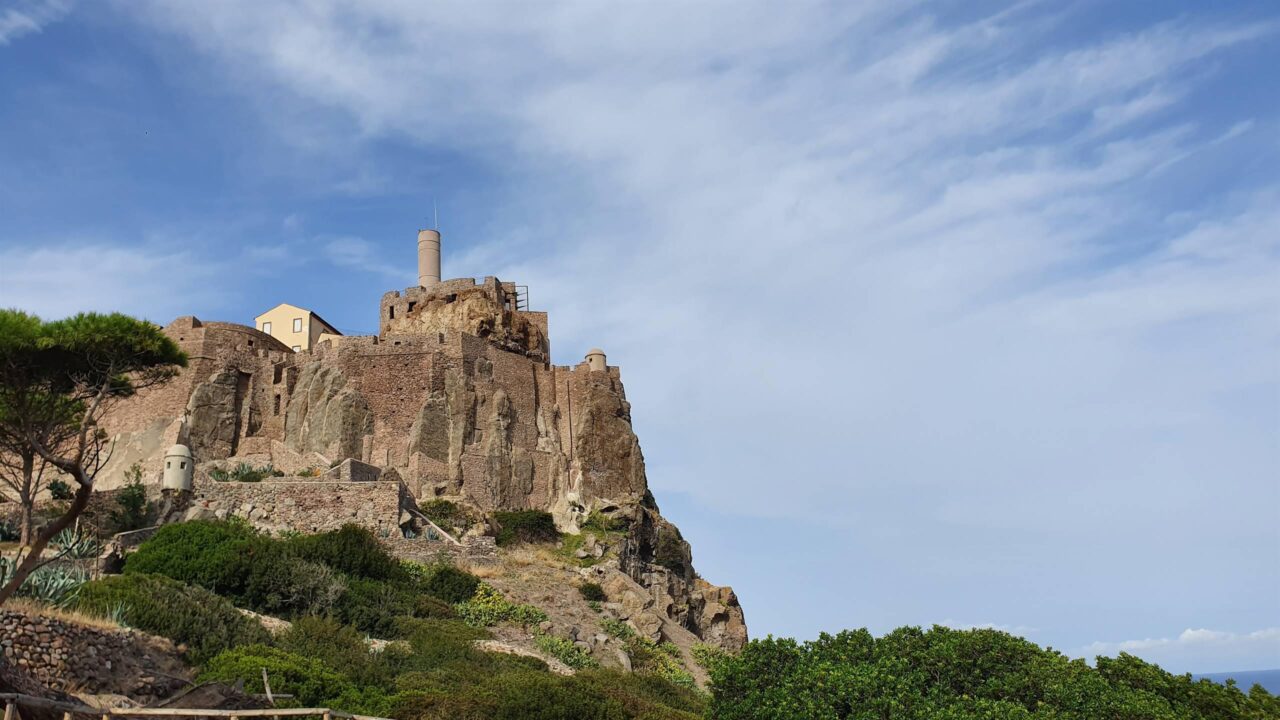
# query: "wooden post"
8, 710
66, 716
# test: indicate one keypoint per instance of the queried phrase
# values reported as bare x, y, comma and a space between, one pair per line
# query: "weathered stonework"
455, 398
71, 657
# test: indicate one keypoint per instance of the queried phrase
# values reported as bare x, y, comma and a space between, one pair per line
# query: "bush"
600, 523
232, 560
525, 526
191, 616
443, 513
131, 503
449, 583
671, 551
592, 592
60, 491
565, 651
244, 472
959, 674
342, 646
351, 550
373, 606
542, 696
488, 607
311, 681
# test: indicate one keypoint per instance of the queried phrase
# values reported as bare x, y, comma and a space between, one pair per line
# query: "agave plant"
78, 545
55, 585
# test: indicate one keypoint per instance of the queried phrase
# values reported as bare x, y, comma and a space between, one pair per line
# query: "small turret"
178, 468
596, 360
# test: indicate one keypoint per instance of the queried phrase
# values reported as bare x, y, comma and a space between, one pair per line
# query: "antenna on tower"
435, 215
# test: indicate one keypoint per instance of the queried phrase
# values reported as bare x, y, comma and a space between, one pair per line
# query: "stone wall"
72, 657
472, 550
302, 506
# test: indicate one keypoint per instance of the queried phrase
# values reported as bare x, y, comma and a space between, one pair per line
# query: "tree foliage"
914, 674
57, 381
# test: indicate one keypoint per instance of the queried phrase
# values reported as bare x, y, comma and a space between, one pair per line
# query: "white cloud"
360, 254
70, 277
1201, 650
30, 16
917, 280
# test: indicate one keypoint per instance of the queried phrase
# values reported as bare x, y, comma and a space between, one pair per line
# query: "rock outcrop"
325, 416
454, 399
212, 421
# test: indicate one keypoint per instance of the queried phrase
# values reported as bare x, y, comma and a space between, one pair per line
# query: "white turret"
595, 360
178, 468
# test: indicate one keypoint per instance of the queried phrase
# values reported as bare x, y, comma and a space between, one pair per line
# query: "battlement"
490, 310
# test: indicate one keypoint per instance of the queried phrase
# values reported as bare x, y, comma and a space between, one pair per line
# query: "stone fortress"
455, 398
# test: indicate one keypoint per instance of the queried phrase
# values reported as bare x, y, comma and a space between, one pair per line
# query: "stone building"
454, 398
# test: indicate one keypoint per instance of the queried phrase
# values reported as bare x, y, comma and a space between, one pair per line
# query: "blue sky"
959, 313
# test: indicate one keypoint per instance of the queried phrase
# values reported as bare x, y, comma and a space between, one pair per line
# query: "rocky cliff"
456, 400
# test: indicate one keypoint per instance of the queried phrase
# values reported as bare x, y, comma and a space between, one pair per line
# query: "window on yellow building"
266, 328
297, 324
297, 348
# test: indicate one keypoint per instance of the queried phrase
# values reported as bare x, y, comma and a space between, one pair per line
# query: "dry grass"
31, 607
482, 571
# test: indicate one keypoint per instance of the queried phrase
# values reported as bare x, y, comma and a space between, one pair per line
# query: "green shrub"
443, 513
565, 651
187, 615
525, 526
961, 674
707, 655
60, 491
232, 560
244, 472
342, 646
450, 584
543, 696
132, 508
434, 644
671, 551
602, 524
373, 606
311, 681
592, 592
488, 607
351, 550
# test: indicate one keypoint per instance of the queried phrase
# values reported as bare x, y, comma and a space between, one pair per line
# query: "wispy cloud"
1201, 650
359, 254
957, 288
30, 16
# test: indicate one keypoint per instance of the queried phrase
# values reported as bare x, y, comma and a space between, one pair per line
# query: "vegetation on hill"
914, 674
192, 616
192, 575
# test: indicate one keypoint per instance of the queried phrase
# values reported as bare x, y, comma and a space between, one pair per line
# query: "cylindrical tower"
178, 468
428, 257
595, 360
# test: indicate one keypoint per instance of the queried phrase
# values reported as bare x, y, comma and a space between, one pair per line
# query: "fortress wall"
304, 506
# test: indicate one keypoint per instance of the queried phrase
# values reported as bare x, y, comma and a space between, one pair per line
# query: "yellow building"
299, 328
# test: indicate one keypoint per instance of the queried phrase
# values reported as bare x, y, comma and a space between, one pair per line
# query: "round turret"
428, 258
179, 467
595, 360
